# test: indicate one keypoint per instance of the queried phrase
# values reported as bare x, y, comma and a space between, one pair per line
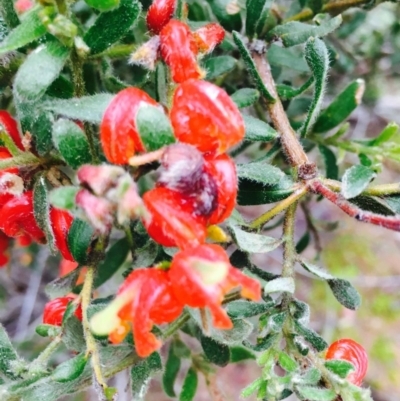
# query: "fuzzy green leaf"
63, 285
103, 5
7, 354
111, 26
39, 70
293, 33
279, 56
171, 371
229, 20
141, 374
251, 242
260, 172
80, 236
245, 97
243, 309
189, 386
317, 57
341, 107
216, 352
8, 14
355, 180
251, 67
258, 130
41, 210
385, 136
86, 108
239, 354
64, 197
216, 66
256, 13
281, 284
311, 336
345, 293
339, 367
316, 393
286, 362
154, 127
29, 30
71, 142
70, 370
331, 167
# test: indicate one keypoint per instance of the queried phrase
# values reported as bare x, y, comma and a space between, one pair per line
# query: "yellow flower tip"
217, 234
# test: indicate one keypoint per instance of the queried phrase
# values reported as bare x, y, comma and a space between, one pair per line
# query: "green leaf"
189, 386
341, 107
30, 29
80, 237
375, 205
8, 14
86, 108
216, 352
229, 20
281, 284
317, 57
242, 309
216, 66
293, 33
393, 202
41, 211
279, 56
286, 362
47, 330
251, 67
39, 70
355, 180
141, 374
245, 97
239, 354
286, 92
303, 242
256, 13
69, 312
171, 371
71, 142
103, 5
154, 127
113, 260
263, 344
252, 193
70, 370
63, 197
7, 353
316, 270
339, 367
311, 336
258, 130
316, 393
63, 285
252, 387
385, 136
311, 376
345, 293
260, 172
111, 26
331, 167
251, 242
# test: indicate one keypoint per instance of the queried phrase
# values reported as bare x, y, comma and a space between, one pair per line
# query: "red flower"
144, 299
204, 116
54, 310
201, 276
349, 350
4, 244
61, 222
118, 133
11, 127
172, 219
17, 218
222, 169
209, 36
178, 49
159, 14
22, 6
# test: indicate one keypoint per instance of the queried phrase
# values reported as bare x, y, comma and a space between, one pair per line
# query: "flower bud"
159, 14
209, 36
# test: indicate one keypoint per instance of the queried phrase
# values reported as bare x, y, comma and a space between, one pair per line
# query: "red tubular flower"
11, 127
209, 36
54, 310
159, 14
204, 116
61, 222
178, 50
4, 244
22, 6
222, 169
118, 133
349, 350
144, 299
17, 218
172, 220
201, 276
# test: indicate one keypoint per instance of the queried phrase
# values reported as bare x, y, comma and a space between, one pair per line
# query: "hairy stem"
260, 221
291, 146
41, 360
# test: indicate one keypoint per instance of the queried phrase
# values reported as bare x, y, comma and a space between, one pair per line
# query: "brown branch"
390, 222
290, 144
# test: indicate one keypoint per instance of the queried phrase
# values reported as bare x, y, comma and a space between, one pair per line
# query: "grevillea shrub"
132, 133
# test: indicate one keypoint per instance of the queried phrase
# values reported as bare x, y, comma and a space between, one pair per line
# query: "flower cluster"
197, 187
17, 219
